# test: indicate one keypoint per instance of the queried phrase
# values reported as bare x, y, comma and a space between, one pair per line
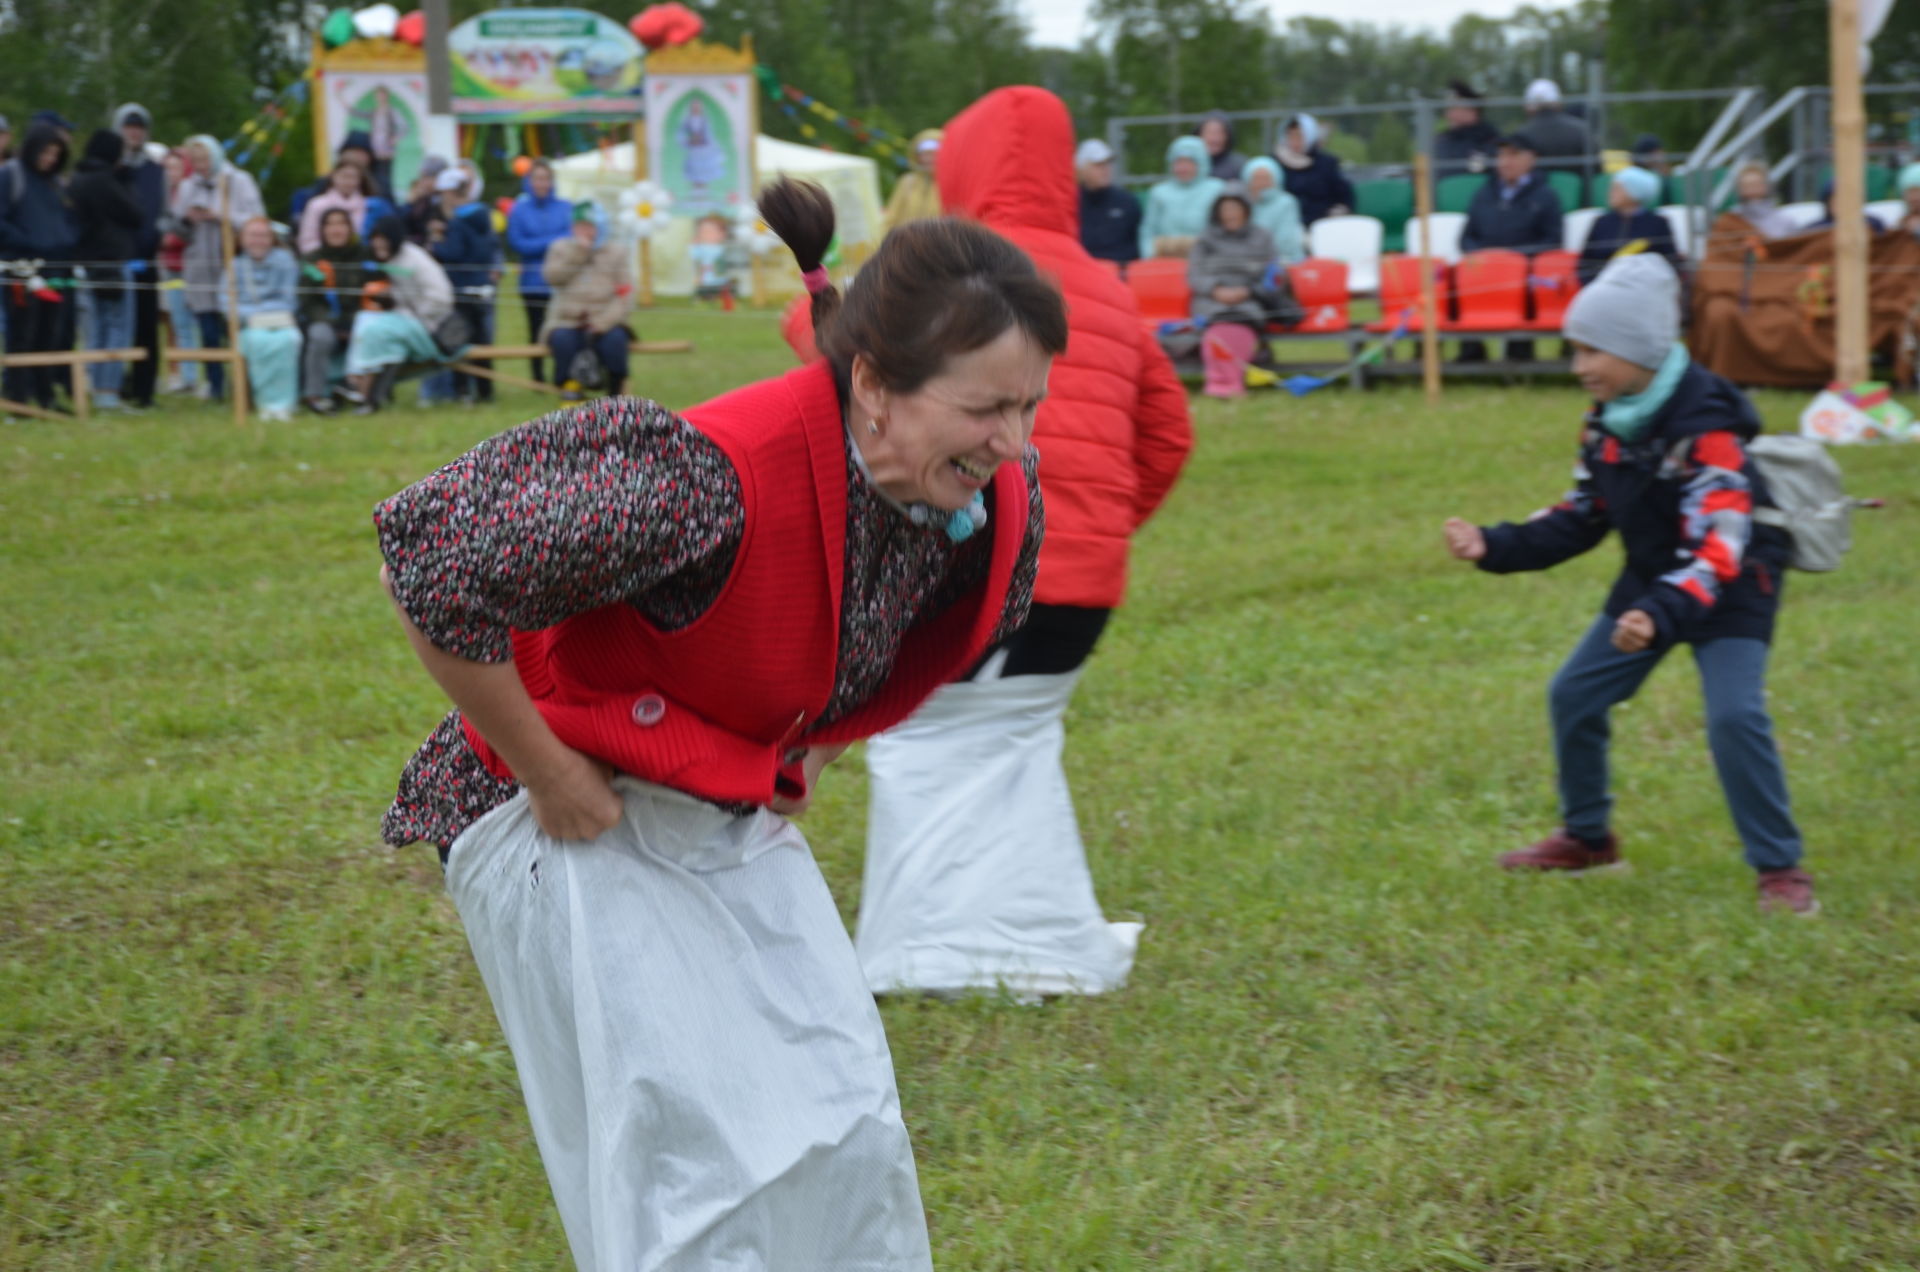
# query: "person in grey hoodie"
1229, 264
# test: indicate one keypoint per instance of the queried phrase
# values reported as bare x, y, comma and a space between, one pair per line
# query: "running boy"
1663, 461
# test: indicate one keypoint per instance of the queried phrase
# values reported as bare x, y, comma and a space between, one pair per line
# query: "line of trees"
204, 65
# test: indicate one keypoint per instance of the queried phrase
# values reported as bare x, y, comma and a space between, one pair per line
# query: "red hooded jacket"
1114, 430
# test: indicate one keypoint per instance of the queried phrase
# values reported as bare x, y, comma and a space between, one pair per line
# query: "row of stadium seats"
1490, 291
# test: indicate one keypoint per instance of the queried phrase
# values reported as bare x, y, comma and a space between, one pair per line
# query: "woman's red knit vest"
716, 708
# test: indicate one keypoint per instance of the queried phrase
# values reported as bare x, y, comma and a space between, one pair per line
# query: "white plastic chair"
1355, 241
1574, 226
1804, 214
1889, 212
1447, 229
1688, 225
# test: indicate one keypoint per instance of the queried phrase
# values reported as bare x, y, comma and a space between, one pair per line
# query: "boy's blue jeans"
1739, 732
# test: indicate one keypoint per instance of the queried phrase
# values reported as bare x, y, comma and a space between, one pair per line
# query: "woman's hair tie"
816, 280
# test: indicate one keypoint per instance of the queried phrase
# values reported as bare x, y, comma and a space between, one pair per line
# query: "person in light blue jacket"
1274, 210
539, 219
265, 278
1177, 209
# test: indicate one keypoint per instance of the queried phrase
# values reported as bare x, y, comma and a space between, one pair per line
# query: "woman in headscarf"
1276, 211
333, 275
1757, 206
916, 196
1176, 209
1313, 175
212, 188
657, 630
1628, 225
264, 285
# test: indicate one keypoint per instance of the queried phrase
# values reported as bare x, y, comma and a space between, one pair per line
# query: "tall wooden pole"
1429, 308
439, 67
236, 365
1849, 194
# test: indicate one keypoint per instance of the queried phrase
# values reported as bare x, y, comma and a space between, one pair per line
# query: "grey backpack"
1809, 503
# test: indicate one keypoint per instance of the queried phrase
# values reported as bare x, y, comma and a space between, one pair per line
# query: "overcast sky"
1063, 22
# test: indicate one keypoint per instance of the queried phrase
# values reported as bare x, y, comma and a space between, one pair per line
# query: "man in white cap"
1109, 213
1664, 463
1556, 135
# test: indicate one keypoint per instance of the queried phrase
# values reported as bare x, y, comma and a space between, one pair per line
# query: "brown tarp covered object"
1763, 308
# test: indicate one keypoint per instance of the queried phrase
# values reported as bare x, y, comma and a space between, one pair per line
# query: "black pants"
213, 335
478, 311
1056, 640
36, 326
536, 307
142, 376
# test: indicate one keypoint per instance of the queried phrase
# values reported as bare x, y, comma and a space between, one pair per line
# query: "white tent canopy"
851, 181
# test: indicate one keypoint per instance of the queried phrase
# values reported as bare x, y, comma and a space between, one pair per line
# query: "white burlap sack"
703, 1064
976, 877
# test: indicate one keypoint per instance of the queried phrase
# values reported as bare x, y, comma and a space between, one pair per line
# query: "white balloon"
377, 22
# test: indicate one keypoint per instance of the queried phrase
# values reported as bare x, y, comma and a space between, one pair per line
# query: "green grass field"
236, 1032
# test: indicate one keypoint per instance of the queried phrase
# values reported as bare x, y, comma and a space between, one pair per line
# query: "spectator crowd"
136, 245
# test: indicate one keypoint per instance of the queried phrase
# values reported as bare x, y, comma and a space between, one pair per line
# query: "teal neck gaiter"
1627, 417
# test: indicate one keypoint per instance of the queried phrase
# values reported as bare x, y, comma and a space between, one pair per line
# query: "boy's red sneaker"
1789, 892
1561, 851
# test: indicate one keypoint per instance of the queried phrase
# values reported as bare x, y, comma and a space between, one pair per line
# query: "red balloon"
412, 29
664, 25
504, 204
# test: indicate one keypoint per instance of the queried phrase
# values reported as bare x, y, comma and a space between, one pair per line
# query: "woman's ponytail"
802, 215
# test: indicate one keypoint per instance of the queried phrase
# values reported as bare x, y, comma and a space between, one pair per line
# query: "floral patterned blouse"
620, 501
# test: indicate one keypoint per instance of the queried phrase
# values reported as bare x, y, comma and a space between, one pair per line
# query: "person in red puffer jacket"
1000, 895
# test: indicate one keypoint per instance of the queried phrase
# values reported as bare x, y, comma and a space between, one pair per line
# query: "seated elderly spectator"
1276, 211
1177, 209
1516, 209
592, 298
262, 281
1312, 175
1109, 213
1231, 275
1753, 187
1628, 226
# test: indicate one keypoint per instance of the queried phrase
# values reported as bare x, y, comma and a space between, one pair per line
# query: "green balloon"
337, 29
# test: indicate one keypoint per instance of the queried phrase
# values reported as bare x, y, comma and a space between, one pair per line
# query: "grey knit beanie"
1632, 310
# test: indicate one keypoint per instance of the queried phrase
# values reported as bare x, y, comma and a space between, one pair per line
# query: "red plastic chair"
1490, 290
1160, 288
1400, 292
1320, 285
1555, 281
